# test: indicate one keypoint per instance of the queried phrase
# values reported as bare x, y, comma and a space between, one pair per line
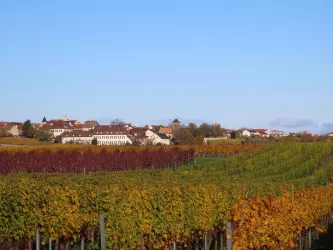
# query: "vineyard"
272, 196
82, 159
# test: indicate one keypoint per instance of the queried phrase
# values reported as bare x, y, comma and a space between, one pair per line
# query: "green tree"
184, 137
94, 141
43, 134
27, 129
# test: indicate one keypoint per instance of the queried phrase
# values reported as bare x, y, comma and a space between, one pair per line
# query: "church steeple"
44, 120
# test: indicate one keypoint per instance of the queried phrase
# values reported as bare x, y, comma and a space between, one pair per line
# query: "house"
111, 135
249, 132
11, 128
89, 125
330, 134
170, 131
157, 138
77, 137
274, 133
59, 127
138, 136
166, 130
262, 132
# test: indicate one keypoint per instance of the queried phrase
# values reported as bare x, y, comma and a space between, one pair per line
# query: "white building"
111, 135
274, 133
77, 137
249, 132
58, 128
157, 138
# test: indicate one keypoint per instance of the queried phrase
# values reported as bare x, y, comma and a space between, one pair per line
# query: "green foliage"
94, 141
43, 135
184, 137
27, 130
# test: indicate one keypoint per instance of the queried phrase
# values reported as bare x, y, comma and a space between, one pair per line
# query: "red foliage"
78, 161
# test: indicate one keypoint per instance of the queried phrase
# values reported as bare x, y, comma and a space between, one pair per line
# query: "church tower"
175, 126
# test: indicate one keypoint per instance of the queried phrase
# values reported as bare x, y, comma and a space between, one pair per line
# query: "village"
71, 131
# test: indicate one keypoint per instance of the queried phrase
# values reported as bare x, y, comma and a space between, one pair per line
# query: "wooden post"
82, 243
221, 239
229, 236
102, 230
215, 241
310, 237
300, 242
142, 243
50, 244
37, 239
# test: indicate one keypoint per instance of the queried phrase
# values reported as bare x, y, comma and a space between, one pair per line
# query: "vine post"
37, 239
102, 230
229, 236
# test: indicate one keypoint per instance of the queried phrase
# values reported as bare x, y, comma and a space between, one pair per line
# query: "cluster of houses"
72, 131
261, 132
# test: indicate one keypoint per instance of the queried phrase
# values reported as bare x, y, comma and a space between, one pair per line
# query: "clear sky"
239, 63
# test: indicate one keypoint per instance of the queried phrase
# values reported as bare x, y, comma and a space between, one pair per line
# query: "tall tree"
184, 137
28, 130
43, 134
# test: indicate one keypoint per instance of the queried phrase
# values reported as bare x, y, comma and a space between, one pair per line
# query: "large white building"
77, 137
111, 135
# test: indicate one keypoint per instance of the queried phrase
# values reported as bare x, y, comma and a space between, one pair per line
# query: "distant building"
111, 135
274, 133
249, 132
262, 132
11, 128
166, 130
77, 137
175, 125
89, 125
57, 128
157, 138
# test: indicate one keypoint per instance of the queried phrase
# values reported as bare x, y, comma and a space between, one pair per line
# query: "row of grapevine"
19, 141
76, 161
200, 150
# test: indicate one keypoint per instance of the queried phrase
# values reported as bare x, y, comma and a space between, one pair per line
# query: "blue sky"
239, 63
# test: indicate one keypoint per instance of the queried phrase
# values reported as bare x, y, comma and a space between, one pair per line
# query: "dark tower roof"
176, 121
44, 119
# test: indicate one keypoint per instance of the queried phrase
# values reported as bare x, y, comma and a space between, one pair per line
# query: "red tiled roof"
76, 133
261, 130
77, 126
164, 130
109, 130
58, 125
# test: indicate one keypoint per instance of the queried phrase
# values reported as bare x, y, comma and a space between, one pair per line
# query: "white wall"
156, 139
112, 139
83, 140
58, 131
